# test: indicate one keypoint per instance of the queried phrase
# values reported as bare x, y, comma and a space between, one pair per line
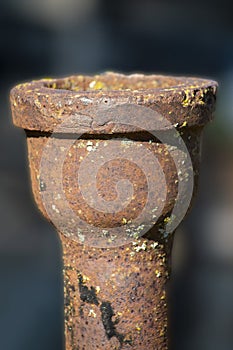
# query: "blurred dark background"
59, 37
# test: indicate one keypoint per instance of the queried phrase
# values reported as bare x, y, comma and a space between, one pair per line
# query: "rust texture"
114, 298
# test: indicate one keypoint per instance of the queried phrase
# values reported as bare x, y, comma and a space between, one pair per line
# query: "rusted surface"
107, 177
115, 298
42, 105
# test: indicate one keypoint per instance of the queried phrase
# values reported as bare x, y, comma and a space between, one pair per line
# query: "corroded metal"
115, 297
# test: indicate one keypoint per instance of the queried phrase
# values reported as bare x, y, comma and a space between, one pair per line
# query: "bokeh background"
59, 37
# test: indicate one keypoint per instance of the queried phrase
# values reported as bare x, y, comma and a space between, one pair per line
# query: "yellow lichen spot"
97, 85
124, 221
37, 103
154, 245
138, 248
92, 313
85, 278
163, 296
184, 124
189, 96
97, 289
167, 219
162, 333
138, 328
185, 103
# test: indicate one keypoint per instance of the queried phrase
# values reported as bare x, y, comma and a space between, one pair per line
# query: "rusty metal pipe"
85, 136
